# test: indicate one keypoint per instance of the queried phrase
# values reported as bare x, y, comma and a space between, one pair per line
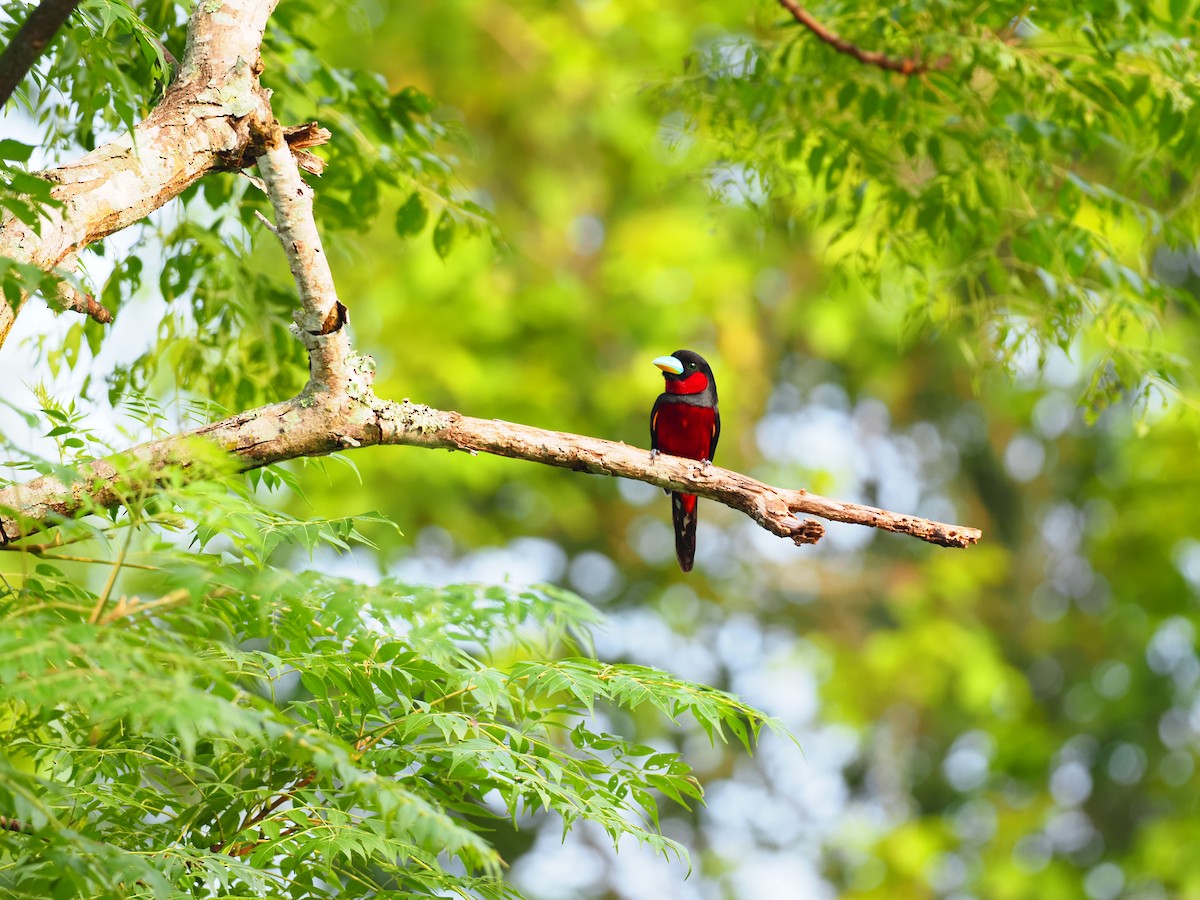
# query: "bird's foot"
654, 454
705, 465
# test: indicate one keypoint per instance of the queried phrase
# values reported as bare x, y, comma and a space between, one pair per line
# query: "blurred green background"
1015, 720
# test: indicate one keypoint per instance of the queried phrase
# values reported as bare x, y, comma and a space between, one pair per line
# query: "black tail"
683, 514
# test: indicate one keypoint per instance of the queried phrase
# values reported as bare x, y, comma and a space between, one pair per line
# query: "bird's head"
686, 372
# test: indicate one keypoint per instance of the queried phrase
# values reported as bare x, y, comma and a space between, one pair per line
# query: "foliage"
209, 723
1027, 182
124, 53
206, 719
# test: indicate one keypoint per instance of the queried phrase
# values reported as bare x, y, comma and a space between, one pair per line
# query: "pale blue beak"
669, 364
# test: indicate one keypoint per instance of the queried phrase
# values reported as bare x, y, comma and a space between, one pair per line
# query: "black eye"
691, 365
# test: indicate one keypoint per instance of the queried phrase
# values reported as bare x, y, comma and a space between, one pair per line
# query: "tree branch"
31, 39
202, 124
322, 316
318, 426
72, 299
905, 66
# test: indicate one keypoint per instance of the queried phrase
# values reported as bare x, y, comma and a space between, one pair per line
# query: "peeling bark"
321, 315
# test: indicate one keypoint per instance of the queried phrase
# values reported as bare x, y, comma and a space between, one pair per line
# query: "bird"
685, 422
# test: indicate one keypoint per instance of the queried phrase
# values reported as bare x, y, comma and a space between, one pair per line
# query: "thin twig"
38, 607
366, 743
127, 606
112, 578
250, 820
34, 550
291, 831
267, 222
905, 66
56, 541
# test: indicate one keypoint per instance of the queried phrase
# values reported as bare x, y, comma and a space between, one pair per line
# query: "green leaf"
443, 234
412, 216
815, 157
15, 150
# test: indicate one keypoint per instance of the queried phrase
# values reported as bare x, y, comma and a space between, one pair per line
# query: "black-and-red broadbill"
685, 422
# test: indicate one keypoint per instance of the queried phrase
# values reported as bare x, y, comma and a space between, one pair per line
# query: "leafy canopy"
1032, 183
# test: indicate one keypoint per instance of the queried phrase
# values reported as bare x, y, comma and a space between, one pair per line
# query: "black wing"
654, 421
712, 452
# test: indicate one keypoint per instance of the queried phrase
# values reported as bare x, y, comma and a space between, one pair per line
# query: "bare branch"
75, 300
905, 66
317, 426
31, 39
267, 223
322, 316
775, 509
